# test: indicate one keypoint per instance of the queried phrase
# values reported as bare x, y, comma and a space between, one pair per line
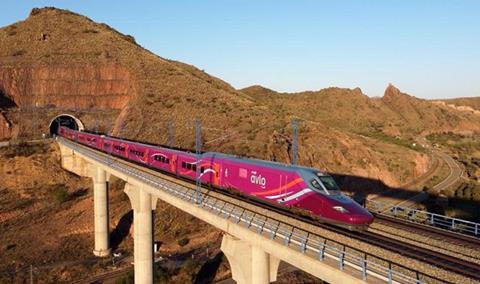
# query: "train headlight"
340, 209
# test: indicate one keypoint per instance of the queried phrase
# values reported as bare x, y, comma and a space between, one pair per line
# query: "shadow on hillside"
362, 187
122, 230
208, 271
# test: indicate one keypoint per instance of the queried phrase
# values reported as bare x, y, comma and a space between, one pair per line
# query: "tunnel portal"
66, 120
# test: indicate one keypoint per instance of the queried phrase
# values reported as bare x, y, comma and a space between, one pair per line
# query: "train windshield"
330, 185
326, 184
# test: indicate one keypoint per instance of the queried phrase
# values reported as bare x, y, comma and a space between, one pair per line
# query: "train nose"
364, 218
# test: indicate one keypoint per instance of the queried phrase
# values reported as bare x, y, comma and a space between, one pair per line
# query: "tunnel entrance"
6, 102
66, 120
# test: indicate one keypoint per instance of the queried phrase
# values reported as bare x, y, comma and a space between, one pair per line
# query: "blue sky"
428, 48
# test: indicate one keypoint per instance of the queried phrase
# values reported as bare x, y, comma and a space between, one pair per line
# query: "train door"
174, 168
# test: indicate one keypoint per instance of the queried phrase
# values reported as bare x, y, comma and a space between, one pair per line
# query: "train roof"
269, 164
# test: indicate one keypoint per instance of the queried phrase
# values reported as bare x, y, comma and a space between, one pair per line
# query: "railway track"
432, 232
446, 262
443, 261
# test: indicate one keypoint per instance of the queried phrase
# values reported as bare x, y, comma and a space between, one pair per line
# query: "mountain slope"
60, 61
395, 114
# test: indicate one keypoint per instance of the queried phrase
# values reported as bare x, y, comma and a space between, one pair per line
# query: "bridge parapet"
74, 163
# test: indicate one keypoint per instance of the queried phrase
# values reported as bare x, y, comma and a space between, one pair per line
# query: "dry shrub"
90, 31
35, 11
18, 52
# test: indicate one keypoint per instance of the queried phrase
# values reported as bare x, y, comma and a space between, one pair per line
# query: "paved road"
456, 172
453, 177
393, 196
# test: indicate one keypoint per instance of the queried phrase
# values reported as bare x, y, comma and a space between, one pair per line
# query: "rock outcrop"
67, 87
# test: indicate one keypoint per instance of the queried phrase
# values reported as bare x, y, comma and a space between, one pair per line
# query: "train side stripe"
285, 187
278, 196
298, 194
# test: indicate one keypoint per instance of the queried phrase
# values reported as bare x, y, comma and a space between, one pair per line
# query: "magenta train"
281, 184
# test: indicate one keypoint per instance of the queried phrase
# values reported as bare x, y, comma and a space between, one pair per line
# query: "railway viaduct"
253, 244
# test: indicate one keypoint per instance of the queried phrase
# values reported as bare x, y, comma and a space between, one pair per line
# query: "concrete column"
100, 204
260, 266
249, 264
143, 205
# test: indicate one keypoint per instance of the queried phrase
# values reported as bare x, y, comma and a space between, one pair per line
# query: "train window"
330, 185
137, 153
184, 165
189, 166
194, 168
202, 169
119, 148
316, 184
167, 160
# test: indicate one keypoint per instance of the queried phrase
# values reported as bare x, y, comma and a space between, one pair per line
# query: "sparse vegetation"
90, 31
130, 38
189, 267
61, 195
35, 11
19, 52
183, 242
128, 279
381, 136
23, 149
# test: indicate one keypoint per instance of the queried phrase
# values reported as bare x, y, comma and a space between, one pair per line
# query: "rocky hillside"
112, 83
395, 114
468, 105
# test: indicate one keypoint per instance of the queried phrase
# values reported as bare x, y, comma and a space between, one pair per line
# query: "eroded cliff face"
80, 87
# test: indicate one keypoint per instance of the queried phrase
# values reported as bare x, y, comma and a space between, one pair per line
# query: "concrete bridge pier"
100, 204
143, 205
250, 264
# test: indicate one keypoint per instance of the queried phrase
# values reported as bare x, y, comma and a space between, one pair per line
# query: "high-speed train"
309, 189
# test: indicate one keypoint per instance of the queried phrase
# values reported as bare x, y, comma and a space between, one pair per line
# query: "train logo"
259, 180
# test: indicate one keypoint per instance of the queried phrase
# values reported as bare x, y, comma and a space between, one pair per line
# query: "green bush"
130, 39
161, 275
128, 279
189, 266
476, 193
183, 242
61, 195
467, 193
35, 11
